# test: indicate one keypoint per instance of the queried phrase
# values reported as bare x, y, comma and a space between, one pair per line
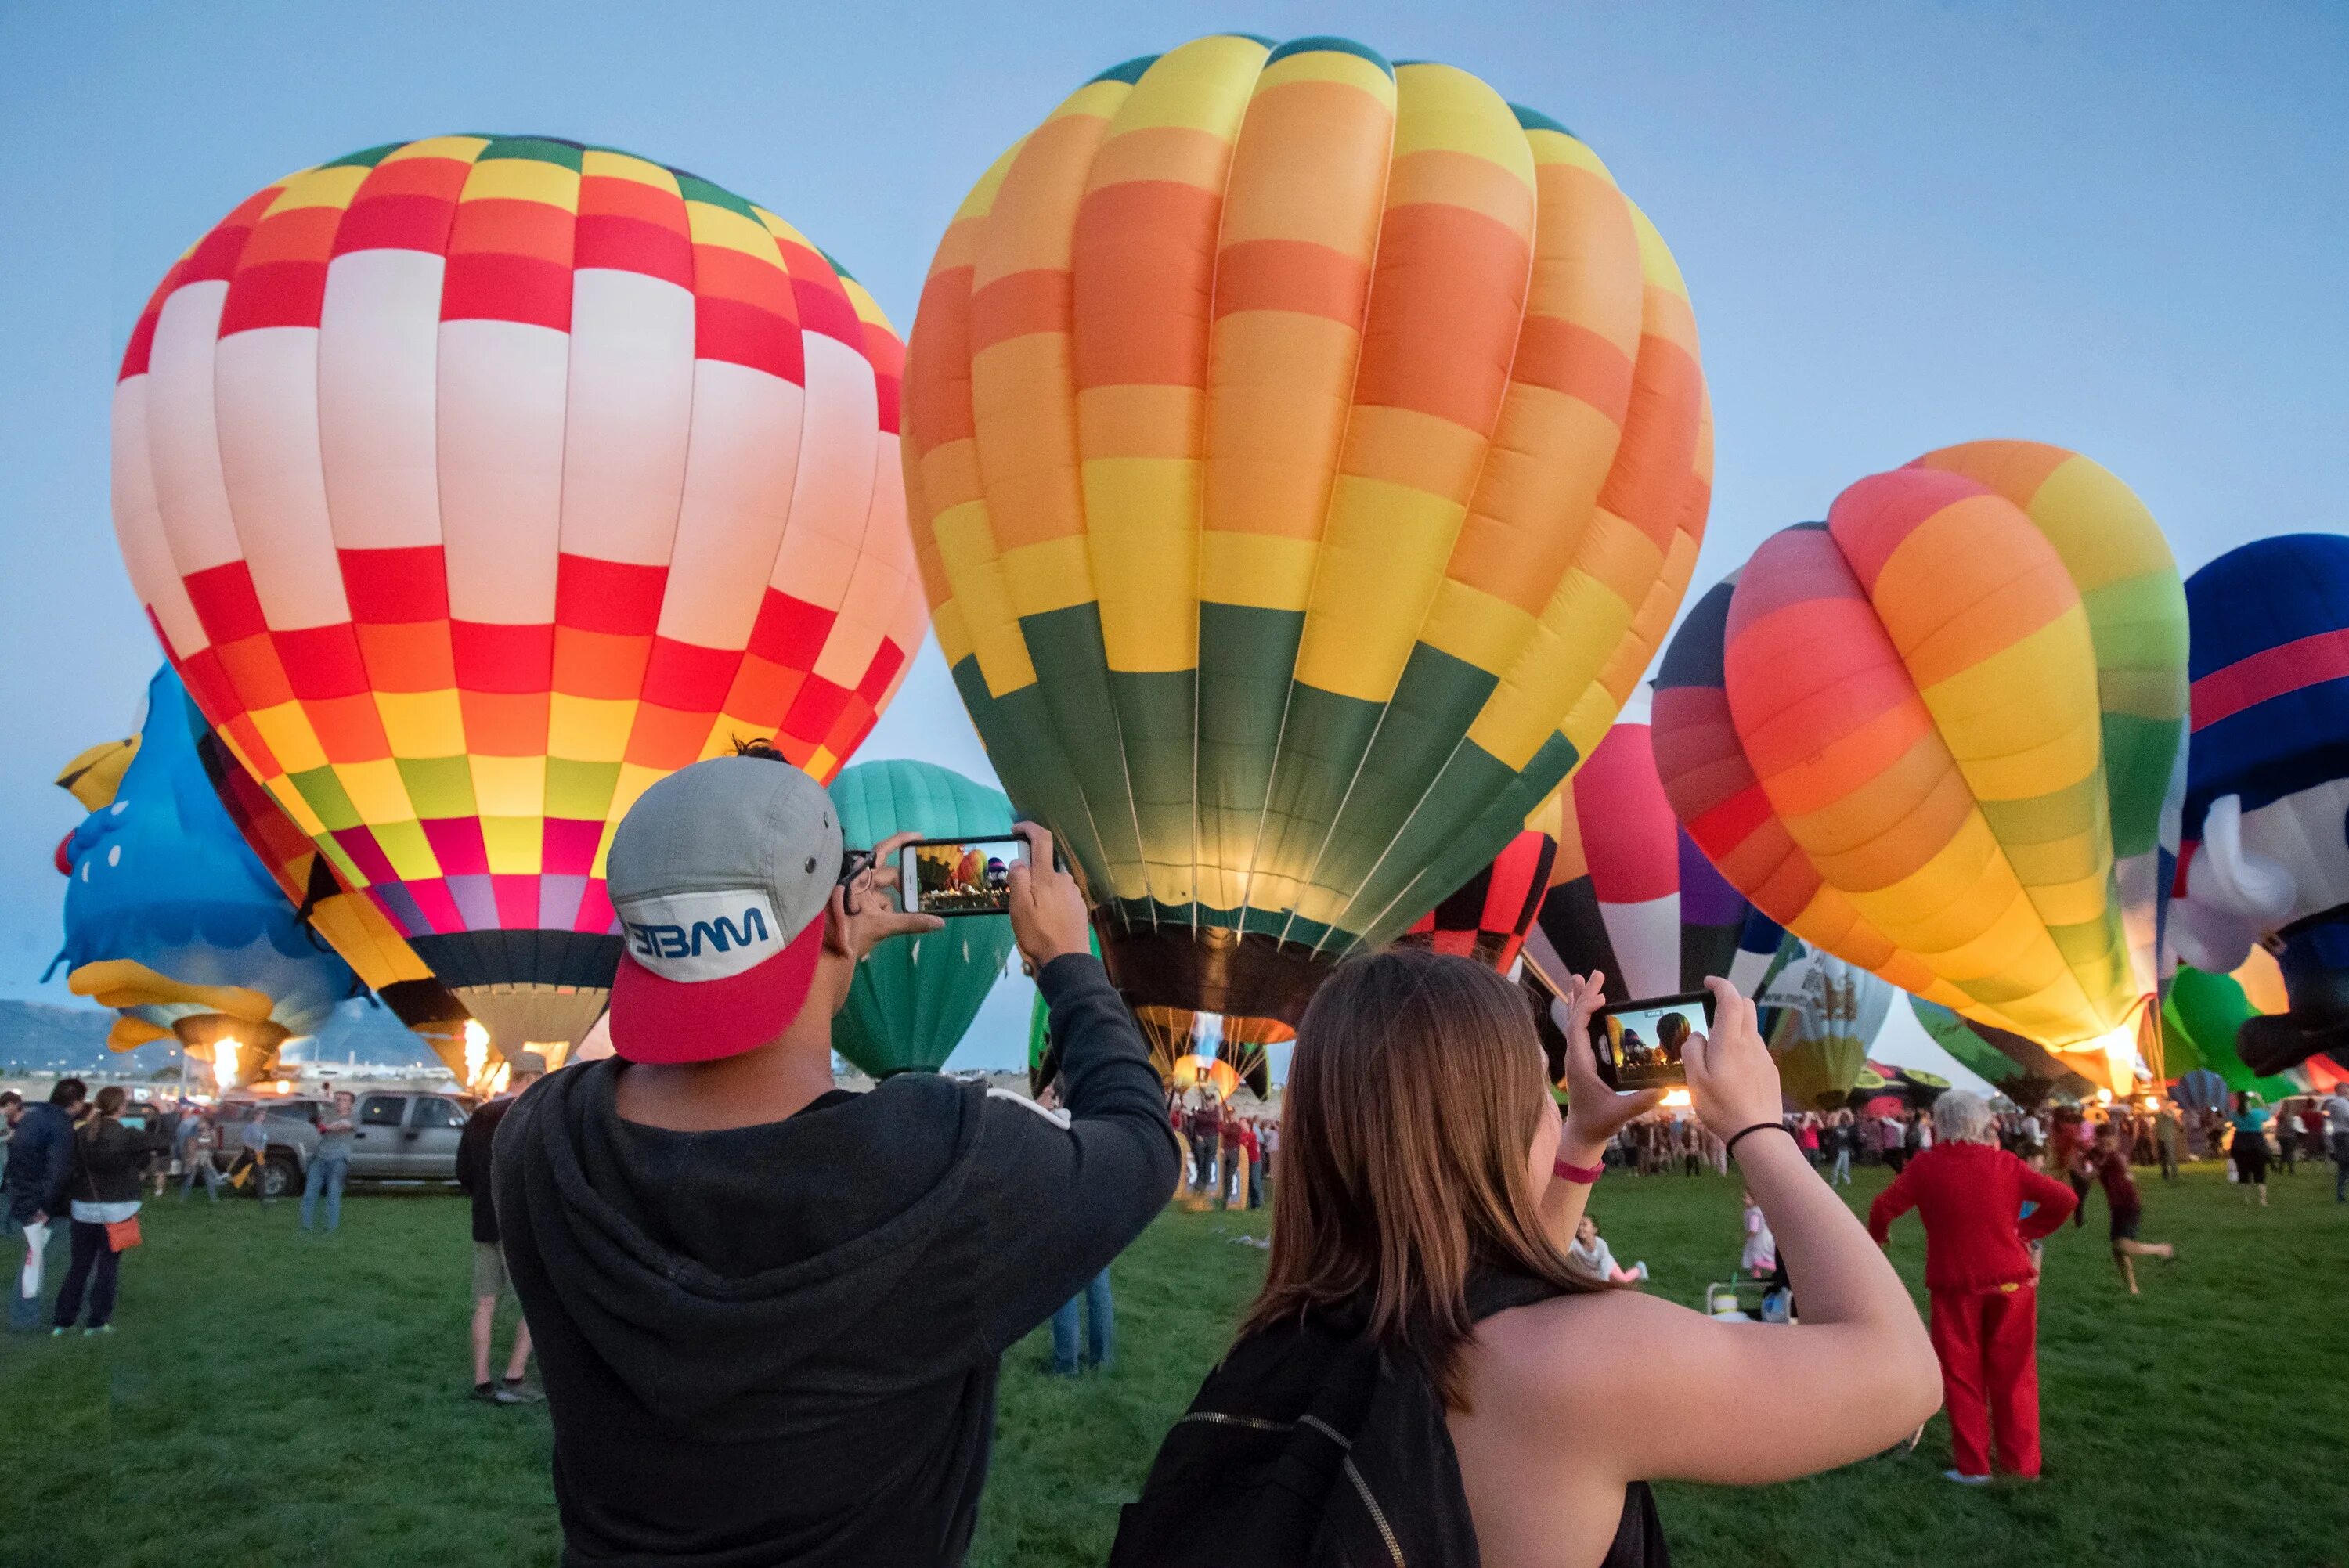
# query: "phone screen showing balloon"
960, 876
1639, 1044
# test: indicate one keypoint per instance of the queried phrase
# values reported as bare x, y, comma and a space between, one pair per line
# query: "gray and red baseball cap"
720, 873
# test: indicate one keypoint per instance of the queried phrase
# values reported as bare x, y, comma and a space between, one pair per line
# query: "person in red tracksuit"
1984, 1279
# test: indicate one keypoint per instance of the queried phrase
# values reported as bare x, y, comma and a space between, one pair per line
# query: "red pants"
1988, 1346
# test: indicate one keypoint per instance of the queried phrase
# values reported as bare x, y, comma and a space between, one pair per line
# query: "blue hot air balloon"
2265, 855
170, 918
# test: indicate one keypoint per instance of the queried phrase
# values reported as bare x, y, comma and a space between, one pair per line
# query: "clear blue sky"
2120, 227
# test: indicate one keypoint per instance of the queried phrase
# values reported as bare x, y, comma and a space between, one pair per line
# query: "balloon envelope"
173, 922
1935, 736
1305, 454
1827, 1014
913, 997
2268, 784
2023, 1072
1631, 895
473, 484
1487, 916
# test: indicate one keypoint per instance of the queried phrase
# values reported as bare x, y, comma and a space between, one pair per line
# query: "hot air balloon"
1487, 916
348, 921
1631, 895
1823, 1015
1934, 736
1305, 454
475, 484
914, 999
2207, 1013
2014, 1067
2266, 856
170, 920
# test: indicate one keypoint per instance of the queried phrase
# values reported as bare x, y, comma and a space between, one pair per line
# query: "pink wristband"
1586, 1174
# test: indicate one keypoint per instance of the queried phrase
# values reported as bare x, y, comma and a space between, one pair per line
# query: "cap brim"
666, 1021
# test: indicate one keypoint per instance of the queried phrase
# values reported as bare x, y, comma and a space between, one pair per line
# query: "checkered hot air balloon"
475, 484
1934, 736
1306, 453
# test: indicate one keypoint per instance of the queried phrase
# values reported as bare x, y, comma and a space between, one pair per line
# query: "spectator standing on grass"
2250, 1147
2336, 1128
1981, 1269
1759, 1257
253, 1159
109, 1158
1843, 1135
1418, 1254
491, 1284
196, 1143
2165, 1140
2312, 1130
330, 1162
1090, 1309
770, 1314
40, 1164
2106, 1162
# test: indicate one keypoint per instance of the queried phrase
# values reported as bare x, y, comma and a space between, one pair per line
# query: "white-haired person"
1983, 1272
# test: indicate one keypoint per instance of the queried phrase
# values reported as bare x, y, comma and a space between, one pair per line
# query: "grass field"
275, 1399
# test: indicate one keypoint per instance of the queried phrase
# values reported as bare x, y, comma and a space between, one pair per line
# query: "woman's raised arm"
1636, 1388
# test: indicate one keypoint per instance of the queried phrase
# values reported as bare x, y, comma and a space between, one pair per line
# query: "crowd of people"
730, 1270
1228, 1154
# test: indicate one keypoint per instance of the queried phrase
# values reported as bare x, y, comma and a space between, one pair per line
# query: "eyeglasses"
854, 863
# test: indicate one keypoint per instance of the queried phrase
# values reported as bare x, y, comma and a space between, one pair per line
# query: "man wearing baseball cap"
769, 1313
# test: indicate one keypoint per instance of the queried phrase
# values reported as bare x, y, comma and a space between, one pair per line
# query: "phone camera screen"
969, 876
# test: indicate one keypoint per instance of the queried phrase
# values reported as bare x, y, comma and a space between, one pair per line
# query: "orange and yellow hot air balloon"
1306, 453
1935, 736
474, 483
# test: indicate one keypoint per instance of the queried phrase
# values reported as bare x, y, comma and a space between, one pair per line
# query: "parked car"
409, 1135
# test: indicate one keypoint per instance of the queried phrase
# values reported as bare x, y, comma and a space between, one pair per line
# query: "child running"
2106, 1162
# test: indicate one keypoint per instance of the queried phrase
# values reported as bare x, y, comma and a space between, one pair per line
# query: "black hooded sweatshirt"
778, 1344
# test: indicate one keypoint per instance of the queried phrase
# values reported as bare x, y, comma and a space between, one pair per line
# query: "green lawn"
274, 1399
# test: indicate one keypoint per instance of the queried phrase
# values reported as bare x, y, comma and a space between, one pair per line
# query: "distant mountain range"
40, 1036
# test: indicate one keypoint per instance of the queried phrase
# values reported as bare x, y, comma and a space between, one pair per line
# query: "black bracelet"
1730, 1149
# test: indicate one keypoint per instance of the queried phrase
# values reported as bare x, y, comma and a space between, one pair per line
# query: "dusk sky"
2117, 227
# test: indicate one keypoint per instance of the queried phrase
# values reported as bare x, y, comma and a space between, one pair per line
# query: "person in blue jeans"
40, 1159
330, 1167
1101, 1329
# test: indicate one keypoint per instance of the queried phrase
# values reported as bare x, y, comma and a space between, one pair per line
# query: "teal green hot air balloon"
913, 998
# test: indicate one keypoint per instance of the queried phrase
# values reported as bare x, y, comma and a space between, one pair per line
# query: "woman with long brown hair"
1422, 1345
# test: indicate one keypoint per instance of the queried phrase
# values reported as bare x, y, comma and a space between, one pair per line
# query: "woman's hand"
1731, 1077
1594, 1113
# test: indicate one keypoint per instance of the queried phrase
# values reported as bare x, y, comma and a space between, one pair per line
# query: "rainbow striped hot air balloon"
1935, 734
1305, 454
475, 484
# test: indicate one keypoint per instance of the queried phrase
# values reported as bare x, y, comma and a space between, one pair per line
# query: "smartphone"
960, 876
1639, 1044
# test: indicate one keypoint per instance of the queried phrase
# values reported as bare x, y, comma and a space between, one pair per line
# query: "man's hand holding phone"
1047, 908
